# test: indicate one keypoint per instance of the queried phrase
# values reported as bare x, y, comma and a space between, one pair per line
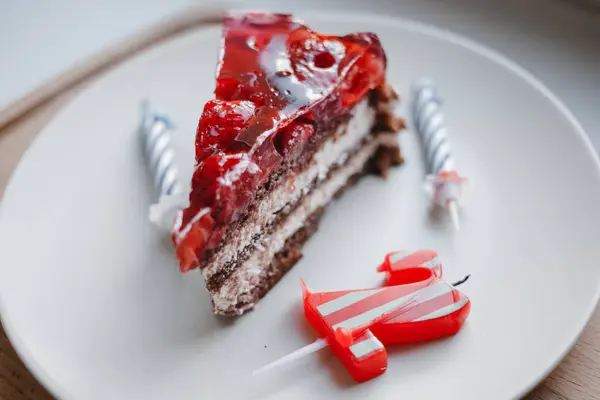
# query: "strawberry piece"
220, 123
292, 140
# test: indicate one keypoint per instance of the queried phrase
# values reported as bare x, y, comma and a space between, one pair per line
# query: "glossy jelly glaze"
277, 82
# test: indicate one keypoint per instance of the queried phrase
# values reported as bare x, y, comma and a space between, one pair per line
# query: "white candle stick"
443, 182
293, 356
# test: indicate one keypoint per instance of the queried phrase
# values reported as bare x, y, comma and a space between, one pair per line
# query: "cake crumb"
385, 158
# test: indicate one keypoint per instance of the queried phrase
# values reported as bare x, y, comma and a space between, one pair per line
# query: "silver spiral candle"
429, 123
155, 131
442, 179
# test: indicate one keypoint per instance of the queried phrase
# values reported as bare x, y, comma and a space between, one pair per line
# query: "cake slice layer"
256, 274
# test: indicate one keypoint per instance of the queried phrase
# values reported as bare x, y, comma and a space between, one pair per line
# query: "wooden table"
577, 376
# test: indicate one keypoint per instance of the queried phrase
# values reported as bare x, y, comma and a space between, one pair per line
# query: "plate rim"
43, 376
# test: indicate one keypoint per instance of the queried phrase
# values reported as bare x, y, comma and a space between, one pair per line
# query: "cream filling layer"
239, 285
334, 152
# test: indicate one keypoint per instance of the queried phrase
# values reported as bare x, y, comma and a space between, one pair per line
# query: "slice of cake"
297, 118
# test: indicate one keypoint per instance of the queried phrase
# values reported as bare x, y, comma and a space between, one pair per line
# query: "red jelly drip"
272, 71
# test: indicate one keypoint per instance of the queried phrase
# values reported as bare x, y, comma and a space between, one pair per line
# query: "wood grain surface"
576, 378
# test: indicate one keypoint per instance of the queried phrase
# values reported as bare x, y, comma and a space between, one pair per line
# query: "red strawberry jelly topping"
277, 83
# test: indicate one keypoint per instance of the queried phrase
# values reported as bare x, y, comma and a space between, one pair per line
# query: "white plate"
94, 303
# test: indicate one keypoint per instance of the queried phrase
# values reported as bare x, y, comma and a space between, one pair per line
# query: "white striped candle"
428, 120
155, 131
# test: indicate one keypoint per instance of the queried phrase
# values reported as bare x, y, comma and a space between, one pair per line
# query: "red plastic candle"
417, 306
